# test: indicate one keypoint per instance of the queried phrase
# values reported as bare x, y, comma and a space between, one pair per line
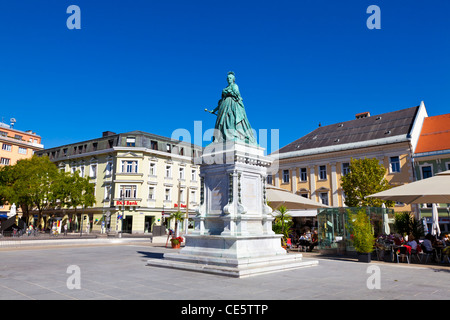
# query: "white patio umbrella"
279, 197
12, 211
386, 228
435, 230
435, 189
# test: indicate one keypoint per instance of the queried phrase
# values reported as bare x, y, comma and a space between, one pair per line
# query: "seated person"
446, 239
303, 237
426, 244
412, 243
314, 241
398, 240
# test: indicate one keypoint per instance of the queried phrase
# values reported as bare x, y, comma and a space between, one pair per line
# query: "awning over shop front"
303, 213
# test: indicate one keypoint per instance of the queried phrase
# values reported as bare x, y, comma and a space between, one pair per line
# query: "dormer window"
131, 141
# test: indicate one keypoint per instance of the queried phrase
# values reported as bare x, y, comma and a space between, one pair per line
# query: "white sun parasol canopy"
435, 189
279, 197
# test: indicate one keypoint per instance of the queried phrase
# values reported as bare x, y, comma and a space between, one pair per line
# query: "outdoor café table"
303, 243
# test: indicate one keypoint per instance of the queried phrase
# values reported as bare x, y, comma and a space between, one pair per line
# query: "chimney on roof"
362, 115
108, 133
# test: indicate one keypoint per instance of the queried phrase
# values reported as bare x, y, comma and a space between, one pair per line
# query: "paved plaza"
119, 272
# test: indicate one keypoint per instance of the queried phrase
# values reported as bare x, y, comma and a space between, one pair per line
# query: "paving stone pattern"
119, 272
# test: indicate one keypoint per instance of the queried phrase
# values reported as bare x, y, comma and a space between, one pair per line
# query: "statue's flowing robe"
232, 123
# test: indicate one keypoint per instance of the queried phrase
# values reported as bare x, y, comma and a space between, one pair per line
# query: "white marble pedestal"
233, 228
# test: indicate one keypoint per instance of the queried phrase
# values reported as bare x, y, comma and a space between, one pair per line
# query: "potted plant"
282, 225
176, 242
361, 235
178, 217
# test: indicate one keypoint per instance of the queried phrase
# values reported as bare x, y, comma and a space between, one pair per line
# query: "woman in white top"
412, 242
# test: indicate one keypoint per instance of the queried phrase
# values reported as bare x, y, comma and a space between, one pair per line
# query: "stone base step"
237, 268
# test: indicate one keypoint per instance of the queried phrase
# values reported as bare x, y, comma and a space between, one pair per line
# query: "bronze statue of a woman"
232, 123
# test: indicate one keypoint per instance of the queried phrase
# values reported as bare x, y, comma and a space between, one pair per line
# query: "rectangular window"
5, 161
194, 175
93, 171
22, 150
394, 164
3, 134
324, 198
151, 193
303, 175
108, 170
128, 192
18, 137
6, 147
285, 176
345, 168
129, 166
181, 195
168, 171
168, 148
167, 194
131, 141
426, 172
152, 171
107, 192
154, 145
269, 179
181, 173
192, 196
448, 166
323, 172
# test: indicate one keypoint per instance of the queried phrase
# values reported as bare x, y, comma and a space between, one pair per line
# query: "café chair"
427, 254
403, 252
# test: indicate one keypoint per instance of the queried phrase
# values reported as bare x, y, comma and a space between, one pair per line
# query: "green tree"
73, 191
36, 183
7, 178
361, 231
406, 224
366, 177
30, 183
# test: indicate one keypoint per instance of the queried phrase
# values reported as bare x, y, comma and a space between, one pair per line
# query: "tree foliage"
36, 183
366, 177
283, 223
406, 224
361, 231
177, 217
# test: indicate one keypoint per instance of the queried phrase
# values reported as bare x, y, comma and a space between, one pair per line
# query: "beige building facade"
313, 165
139, 179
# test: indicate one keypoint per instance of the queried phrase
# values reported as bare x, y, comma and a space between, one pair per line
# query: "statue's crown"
230, 72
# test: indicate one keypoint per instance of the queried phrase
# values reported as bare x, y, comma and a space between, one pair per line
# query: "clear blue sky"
155, 65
